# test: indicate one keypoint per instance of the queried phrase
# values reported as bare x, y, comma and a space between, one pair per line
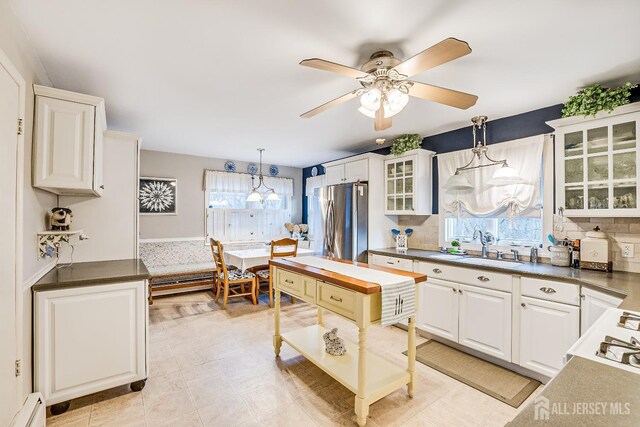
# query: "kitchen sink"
492, 262
447, 256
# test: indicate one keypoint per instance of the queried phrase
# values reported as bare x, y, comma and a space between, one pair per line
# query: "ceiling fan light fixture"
368, 113
370, 100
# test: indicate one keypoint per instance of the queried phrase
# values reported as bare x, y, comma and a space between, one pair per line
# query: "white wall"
189, 171
16, 46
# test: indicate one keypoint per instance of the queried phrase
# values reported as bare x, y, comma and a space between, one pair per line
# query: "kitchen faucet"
486, 239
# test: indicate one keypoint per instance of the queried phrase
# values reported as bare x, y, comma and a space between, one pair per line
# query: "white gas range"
613, 340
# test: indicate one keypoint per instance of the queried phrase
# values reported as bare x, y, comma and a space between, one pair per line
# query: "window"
507, 231
231, 218
513, 213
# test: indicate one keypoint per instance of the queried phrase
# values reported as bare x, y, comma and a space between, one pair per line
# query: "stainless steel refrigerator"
343, 210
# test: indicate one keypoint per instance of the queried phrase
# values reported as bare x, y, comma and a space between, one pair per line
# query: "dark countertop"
92, 273
620, 283
582, 385
586, 393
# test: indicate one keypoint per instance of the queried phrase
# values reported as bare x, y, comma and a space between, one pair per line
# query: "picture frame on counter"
158, 196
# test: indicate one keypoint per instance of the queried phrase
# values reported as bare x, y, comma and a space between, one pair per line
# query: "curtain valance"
484, 200
231, 182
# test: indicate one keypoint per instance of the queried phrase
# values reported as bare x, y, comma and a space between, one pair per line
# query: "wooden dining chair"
232, 282
279, 249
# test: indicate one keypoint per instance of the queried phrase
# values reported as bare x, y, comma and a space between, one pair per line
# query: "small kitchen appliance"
594, 251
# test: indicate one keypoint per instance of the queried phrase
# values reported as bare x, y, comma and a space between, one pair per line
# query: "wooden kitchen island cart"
367, 375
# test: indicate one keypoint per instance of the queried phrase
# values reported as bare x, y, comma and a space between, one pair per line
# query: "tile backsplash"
619, 230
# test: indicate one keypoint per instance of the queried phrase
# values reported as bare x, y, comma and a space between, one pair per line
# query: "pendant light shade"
458, 182
506, 175
268, 193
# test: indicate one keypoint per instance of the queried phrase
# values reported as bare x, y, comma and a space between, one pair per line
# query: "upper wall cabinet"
597, 163
68, 138
408, 183
348, 171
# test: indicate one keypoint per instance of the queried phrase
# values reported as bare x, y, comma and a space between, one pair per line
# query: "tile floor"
210, 367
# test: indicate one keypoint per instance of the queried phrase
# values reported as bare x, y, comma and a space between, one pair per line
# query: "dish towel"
398, 292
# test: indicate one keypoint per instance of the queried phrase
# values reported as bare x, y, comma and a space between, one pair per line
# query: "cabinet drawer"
551, 291
391, 262
336, 299
290, 283
485, 279
438, 271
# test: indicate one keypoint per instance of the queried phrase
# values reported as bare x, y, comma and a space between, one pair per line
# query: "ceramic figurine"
334, 345
61, 219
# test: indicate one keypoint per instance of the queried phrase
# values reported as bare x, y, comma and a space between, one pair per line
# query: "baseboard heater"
33, 412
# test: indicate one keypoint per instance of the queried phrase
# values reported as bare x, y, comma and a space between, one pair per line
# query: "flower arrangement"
297, 230
595, 98
406, 142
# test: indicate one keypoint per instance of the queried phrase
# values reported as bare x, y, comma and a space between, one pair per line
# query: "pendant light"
257, 193
505, 175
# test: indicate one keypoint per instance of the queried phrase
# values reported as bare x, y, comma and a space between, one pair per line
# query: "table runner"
398, 292
247, 258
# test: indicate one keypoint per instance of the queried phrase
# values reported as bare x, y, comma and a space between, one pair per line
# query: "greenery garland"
595, 98
406, 142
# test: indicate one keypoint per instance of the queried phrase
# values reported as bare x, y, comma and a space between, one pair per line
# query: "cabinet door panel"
594, 304
356, 171
438, 312
547, 330
89, 339
485, 321
335, 174
64, 144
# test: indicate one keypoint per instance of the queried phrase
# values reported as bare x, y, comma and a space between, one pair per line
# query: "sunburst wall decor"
158, 196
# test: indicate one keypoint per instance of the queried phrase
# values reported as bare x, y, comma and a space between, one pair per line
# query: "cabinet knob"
483, 278
102, 186
582, 296
437, 270
454, 290
523, 305
459, 291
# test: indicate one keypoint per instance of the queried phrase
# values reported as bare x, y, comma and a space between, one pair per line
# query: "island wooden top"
342, 280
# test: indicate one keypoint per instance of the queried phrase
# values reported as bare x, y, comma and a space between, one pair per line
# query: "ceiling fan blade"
344, 98
442, 95
381, 122
321, 64
438, 54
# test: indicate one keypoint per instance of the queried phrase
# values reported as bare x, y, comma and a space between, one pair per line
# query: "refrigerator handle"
329, 232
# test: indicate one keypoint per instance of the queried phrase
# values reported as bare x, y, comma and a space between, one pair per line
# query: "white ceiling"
221, 78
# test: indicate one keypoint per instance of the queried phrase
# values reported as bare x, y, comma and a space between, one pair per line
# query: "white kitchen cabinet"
485, 320
597, 163
594, 304
89, 338
439, 308
408, 183
391, 262
68, 142
350, 171
547, 330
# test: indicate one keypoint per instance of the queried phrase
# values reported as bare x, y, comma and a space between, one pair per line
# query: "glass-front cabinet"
408, 183
597, 163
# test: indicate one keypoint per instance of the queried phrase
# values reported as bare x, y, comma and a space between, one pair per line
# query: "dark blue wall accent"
499, 130
306, 173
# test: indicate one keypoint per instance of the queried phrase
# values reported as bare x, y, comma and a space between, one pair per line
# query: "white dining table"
247, 258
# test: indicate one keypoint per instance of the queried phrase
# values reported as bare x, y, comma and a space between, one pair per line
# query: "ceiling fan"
385, 86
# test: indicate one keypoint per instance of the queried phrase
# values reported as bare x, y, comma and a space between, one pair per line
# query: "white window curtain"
314, 182
486, 200
225, 182
231, 182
